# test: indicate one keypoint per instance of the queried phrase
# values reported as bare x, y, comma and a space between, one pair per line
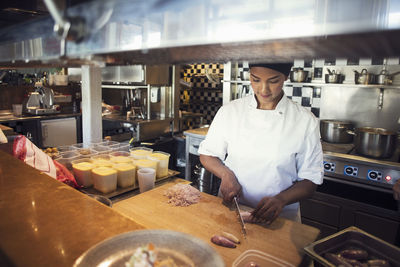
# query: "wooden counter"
284, 239
46, 223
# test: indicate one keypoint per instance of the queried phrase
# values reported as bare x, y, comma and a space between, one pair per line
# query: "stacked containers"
162, 159
83, 171
126, 170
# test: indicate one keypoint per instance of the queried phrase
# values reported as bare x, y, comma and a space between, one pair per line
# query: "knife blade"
240, 216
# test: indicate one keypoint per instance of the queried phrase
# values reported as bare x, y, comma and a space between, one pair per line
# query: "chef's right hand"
229, 187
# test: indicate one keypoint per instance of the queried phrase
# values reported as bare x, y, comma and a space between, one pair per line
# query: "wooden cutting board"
284, 239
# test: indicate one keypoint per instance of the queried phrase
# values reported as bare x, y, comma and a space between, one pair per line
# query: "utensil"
364, 77
117, 250
333, 77
352, 237
335, 131
298, 75
385, 78
374, 142
240, 216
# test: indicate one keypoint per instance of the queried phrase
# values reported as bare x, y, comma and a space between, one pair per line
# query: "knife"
240, 216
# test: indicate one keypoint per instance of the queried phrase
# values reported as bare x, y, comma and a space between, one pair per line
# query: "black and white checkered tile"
308, 97
205, 96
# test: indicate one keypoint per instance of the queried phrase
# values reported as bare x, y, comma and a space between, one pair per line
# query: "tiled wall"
204, 96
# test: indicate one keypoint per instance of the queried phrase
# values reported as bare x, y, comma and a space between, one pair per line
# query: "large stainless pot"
334, 131
374, 142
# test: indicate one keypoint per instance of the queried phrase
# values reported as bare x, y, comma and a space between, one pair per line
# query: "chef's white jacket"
268, 150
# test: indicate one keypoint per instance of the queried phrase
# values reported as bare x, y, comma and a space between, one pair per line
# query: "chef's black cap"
281, 67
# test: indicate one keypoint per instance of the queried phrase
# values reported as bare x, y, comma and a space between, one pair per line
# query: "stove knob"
327, 166
349, 170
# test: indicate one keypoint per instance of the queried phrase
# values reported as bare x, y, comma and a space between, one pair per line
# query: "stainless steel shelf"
344, 85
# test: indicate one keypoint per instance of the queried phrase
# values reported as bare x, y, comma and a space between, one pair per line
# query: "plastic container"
102, 160
126, 174
82, 169
63, 149
80, 145
123, 147
140, 152
258, 258
120, 157
67, 157
110, 144
104, 179
101, 149
146, 163
162, 159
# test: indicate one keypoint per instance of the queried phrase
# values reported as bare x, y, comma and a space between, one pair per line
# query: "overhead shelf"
342, 85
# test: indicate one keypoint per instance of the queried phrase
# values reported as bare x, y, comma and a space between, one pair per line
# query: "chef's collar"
280, 107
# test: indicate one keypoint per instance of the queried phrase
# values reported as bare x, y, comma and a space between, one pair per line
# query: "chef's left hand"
267, 210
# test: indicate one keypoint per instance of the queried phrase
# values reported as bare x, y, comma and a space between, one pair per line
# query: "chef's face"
267, 86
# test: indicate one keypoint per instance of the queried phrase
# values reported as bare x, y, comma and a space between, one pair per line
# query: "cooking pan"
374, 142
335, 131
298, 75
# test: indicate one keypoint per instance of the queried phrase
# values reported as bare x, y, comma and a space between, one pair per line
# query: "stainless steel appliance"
41, 102
357, 191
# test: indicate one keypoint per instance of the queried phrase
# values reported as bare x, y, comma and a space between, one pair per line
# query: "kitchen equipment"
350, 238
184, 249
41, 101
374, 142
33, 101
334, 131
205, 181
385, 78
298, 75
364, 77
58, 132
239, 215
333, 77
253, 257
104, 200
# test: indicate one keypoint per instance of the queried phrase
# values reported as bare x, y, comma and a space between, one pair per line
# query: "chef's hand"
229, 187
396, 190
267, 210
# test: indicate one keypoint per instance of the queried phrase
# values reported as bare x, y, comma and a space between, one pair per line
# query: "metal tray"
120, 191
350, 238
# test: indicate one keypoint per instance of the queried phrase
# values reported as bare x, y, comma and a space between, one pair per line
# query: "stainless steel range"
341, 163
357, 191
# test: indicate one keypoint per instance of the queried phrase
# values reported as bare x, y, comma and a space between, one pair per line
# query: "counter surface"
47, 223
198, 132
284, 239
11, 118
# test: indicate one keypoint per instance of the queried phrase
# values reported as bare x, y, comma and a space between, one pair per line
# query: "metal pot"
334, 131
333, 77
385, 78
374, 142
298, 75
364, 77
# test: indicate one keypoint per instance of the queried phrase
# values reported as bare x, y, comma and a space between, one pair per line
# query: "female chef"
265, 148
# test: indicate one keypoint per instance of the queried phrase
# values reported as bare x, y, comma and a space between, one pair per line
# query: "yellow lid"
83, 166
104, 171
121, 159
102, 163
159, 156
145, 163
124, 167
140, 152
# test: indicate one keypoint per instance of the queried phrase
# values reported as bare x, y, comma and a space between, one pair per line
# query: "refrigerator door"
58, 132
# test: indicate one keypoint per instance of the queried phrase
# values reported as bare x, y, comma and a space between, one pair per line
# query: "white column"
92, 128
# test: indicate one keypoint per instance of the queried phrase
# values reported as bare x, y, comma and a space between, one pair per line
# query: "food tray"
119, 191
350, 238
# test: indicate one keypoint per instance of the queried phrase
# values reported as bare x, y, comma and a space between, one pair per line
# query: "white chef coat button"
280, 112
